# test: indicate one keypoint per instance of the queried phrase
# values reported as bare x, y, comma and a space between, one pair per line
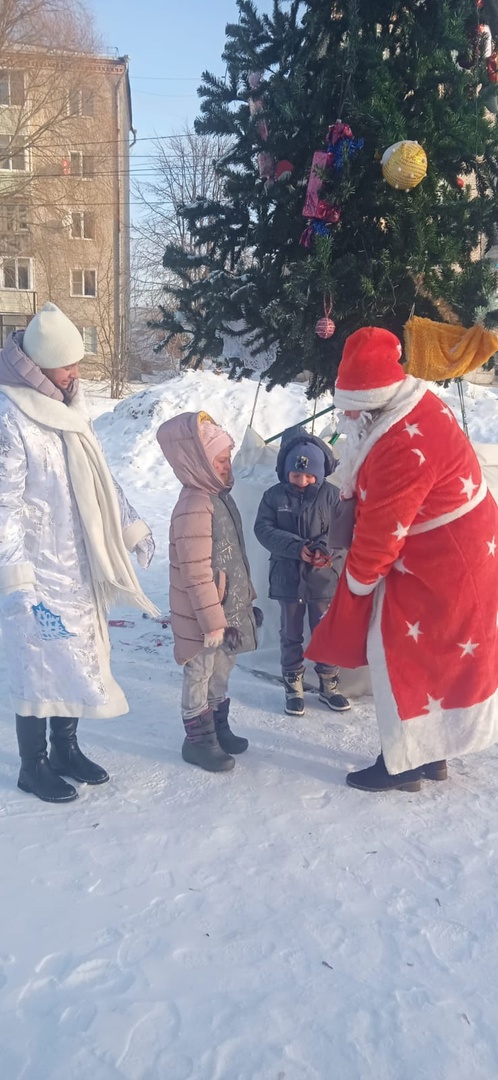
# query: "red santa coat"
422, 588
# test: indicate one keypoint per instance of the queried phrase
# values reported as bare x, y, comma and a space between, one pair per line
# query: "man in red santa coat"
418, 598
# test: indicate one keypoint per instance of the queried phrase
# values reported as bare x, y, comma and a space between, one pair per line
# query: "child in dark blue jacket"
305, 526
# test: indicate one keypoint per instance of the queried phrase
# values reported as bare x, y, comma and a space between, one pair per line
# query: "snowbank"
268, 924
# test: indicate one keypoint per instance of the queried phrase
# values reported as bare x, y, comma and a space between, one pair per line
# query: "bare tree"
185, 170
46, 48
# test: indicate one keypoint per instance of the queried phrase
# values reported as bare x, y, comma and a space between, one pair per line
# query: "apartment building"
65, 123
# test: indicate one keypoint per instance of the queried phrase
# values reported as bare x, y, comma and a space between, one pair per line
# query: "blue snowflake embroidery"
50, 626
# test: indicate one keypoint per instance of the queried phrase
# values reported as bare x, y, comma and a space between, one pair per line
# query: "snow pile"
131, 427
267, 924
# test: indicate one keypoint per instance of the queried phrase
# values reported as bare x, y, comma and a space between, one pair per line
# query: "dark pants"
292, 634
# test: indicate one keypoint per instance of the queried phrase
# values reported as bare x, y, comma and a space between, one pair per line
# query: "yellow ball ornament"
404, 165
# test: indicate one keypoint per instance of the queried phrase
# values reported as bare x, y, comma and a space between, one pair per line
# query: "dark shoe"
435, 770
330, 696
65, 755
230, 743
377, 778
201, 746
294, 693
36, 776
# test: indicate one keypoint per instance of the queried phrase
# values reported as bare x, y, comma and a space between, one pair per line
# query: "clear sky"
169, 43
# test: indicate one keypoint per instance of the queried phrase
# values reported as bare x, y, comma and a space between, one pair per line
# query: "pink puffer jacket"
210, 585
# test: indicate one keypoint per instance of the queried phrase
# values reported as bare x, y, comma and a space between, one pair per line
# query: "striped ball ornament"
325, 327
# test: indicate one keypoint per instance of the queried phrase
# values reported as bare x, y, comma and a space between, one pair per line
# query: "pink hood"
16, 369
181, 445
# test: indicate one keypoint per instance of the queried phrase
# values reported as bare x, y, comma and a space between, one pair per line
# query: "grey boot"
329, 693
294, 693
36, 775
65, 755
230, 743
201, 746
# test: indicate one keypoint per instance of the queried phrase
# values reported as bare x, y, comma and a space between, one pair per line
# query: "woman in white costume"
65, 532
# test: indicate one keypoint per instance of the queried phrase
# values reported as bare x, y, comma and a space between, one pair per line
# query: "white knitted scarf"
113, 577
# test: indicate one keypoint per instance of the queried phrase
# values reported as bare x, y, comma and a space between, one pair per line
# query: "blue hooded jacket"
290, 517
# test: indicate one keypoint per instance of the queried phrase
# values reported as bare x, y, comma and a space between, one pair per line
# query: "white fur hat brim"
364, 400
51, 340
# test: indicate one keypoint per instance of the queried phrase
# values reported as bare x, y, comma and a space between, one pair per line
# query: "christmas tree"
307, 228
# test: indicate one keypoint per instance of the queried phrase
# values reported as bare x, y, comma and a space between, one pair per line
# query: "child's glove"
232, 638
214, 639
258, 616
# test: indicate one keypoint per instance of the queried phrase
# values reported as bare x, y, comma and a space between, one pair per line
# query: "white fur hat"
51, 340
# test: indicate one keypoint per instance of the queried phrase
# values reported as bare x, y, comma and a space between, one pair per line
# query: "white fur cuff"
15, 576
135, 532
358, 587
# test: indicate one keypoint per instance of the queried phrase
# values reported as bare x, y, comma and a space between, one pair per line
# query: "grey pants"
205, 681
292, 634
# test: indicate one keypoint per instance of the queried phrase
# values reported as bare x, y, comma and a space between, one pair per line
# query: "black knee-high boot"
36, 775
65, 755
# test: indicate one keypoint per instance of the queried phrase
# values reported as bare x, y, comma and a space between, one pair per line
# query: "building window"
80, 164
82, 225
16, 273
80, 102
83, 282
89, 335
11, 87
13, 219
9, 323
13, 155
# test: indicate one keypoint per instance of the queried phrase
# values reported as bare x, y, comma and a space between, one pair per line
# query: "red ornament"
283, 170
325, 327
338, 131
306, 238
460, 182
327, 213
492, 66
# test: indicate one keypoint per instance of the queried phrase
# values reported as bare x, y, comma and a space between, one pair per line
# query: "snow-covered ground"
266, 924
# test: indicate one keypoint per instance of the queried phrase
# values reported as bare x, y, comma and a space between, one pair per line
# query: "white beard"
356, 431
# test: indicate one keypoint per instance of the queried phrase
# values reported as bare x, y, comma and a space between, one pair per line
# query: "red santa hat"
369, 373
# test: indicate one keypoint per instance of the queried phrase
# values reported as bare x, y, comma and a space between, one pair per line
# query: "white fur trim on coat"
445, 733
16, 576
452, 515
358, 587
132, 534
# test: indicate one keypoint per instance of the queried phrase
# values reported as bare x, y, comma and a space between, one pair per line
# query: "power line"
167, 78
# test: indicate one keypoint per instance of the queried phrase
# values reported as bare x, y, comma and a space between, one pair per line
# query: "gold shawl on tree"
437, 351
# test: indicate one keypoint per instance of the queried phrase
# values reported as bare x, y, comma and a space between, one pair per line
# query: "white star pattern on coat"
363, 494
400, 565
419, 455
447, 412
412, 429
400, 531
492, 546
468, 486
468, 647
414, 630
434, 706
